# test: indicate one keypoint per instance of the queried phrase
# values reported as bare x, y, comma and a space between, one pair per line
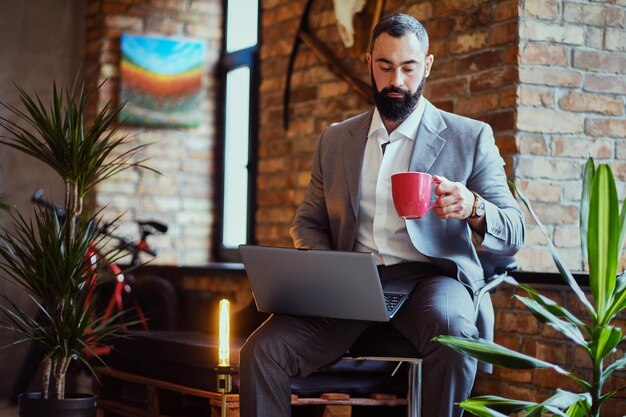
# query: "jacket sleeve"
310, 228
504, 232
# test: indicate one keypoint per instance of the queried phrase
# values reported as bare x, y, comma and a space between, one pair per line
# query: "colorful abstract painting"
161, 80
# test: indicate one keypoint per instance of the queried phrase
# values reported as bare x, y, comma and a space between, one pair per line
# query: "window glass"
241, 24
236, 157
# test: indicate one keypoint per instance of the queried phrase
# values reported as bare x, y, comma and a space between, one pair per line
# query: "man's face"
399, 68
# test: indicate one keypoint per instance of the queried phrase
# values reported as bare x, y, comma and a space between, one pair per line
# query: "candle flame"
224, 343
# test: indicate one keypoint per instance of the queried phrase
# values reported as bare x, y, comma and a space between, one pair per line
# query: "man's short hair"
398, 25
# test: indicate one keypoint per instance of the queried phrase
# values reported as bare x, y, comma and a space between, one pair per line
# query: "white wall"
40, 40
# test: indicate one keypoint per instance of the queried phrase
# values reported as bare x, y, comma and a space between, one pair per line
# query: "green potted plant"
46, 257
602, 230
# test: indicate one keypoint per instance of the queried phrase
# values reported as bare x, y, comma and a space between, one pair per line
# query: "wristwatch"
478, 210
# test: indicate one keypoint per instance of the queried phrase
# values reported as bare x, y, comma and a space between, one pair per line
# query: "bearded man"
348, 206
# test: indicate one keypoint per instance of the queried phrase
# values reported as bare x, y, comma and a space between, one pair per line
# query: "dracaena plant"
45, 257
602, 230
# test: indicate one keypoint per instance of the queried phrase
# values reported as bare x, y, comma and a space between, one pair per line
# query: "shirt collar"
408, 128
376, 125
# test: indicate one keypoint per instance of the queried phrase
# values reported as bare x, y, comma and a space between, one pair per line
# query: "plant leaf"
82, 155
618, 301
622, 229
479, 410
554, 308
605, 339
558, 403
580, 409
565, 273
602, 239
493, 353
620, 283
588, 174
545, 316
498, 404
482, 406
490, 352
615, 366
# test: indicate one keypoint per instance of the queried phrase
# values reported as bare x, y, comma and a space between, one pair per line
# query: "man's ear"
429, 64
368, 59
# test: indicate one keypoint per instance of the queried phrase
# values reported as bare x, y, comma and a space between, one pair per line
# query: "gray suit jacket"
448, 145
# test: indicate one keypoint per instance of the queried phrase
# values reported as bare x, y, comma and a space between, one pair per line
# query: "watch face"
480, 208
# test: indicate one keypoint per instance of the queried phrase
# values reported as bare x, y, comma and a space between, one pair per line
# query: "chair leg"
414, 393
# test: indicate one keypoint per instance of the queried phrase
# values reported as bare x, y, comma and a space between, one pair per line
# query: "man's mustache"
394, 90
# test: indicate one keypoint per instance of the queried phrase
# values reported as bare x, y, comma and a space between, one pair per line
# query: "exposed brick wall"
475, 71
317, 98
183, 196
570, 105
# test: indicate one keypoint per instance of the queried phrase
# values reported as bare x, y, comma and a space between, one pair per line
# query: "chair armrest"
495, 267
491, 283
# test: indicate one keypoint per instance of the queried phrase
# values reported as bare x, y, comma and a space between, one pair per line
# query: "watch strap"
475, 205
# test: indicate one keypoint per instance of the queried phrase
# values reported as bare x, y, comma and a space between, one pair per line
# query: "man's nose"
397, 78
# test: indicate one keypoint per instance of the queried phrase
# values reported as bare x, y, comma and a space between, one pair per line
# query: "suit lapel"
428, 143
353, 149
427, 147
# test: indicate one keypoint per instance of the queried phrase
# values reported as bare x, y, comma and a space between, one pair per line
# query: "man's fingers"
444, 185
454, 199
451, 206
453, 211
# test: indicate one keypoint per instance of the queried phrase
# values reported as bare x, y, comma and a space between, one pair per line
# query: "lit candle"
224, 345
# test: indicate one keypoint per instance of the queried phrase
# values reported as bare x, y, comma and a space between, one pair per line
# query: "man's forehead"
407, 45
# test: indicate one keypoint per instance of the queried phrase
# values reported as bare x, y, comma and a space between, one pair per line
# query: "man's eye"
385, 69
408, 69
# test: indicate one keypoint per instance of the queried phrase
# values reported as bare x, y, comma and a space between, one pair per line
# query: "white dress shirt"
379, 228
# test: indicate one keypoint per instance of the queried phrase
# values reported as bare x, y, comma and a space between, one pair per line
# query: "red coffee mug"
411, 192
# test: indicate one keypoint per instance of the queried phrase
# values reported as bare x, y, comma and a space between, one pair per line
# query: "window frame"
248, 57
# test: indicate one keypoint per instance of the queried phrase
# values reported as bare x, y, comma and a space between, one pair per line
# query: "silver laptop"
321, 283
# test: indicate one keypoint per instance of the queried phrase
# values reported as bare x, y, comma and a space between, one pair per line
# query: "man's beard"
396, 109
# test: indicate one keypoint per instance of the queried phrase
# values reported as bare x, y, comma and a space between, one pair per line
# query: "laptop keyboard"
392, 299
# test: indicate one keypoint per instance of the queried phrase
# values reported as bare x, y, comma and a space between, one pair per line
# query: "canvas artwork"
161, 80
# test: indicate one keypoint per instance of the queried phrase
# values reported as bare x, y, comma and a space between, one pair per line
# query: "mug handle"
433, 183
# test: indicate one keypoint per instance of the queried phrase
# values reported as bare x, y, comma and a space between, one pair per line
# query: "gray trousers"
288, 346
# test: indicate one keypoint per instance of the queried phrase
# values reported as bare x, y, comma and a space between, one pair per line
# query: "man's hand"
455, 200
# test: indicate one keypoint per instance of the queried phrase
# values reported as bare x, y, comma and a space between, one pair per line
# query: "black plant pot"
31, 404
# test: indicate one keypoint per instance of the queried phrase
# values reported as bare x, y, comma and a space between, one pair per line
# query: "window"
239, 81
241, 27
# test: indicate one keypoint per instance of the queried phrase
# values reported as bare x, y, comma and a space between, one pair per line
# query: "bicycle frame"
115, 303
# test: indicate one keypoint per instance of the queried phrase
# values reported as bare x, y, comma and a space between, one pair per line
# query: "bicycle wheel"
158, 299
